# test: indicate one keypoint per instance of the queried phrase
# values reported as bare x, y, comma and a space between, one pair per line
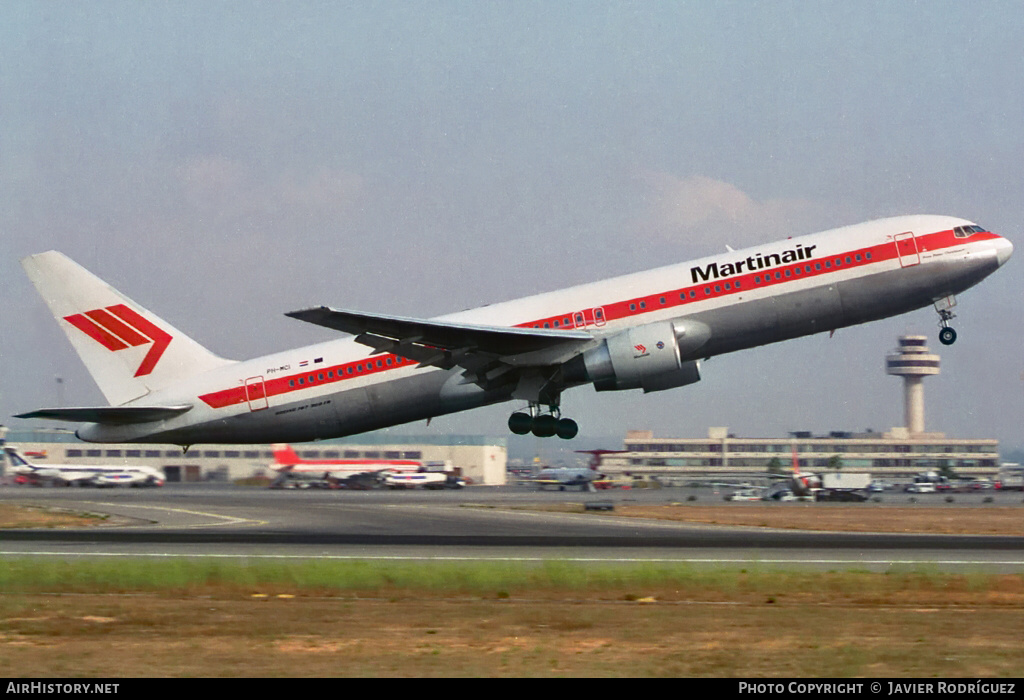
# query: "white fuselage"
743, 299
95, 475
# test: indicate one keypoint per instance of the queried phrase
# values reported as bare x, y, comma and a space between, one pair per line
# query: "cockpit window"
965, 231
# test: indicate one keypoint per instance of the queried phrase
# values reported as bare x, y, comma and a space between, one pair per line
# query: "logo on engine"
119, 328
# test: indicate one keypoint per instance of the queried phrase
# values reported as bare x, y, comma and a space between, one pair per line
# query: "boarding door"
906, 249
256, 393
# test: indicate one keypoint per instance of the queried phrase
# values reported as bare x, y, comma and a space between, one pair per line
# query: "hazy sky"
223, 163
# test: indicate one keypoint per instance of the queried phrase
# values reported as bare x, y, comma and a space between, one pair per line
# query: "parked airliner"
647, 331
293, 469
563, 477
82, 474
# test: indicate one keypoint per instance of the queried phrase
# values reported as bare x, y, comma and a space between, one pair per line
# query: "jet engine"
647, 357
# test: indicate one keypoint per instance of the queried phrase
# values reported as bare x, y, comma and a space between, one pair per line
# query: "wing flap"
111, 415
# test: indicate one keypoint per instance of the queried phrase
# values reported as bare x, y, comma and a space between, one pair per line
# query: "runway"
478, 523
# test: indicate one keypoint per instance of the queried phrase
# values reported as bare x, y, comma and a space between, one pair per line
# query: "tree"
835, 462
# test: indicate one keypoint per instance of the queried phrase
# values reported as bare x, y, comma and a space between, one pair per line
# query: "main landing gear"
542, 424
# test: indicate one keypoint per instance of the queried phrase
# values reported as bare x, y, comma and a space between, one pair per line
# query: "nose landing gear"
947, 336
542, 424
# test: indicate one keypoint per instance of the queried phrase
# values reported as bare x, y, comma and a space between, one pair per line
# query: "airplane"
82, 474
352, 473
564, 477
647, 331
803, 485
429, 480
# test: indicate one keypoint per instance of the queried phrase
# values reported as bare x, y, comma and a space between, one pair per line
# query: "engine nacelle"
647, 357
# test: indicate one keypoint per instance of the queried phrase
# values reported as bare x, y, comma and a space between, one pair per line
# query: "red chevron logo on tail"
118, 328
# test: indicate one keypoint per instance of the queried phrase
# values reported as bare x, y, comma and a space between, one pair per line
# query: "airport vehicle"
745, 495
921, 487
296, 472
782, 491
1011, 477
647, 331
844, 486
782, 495
565, 477
82, 474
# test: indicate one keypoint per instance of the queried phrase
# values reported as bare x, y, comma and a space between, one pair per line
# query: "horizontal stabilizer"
109, 415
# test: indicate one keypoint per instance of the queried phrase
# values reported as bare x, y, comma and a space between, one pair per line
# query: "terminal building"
477, 459
898, 454
894, 455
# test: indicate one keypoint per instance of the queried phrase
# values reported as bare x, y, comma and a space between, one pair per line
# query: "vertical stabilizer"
285, 456
16, 460
128, 351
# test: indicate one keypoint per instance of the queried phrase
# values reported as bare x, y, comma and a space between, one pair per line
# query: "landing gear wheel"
947, 336
566, 428
520, 423
544, 426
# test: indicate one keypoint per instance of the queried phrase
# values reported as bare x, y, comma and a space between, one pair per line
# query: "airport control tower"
912, 361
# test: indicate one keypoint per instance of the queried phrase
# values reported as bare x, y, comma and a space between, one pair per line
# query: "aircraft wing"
486, 352
115, 415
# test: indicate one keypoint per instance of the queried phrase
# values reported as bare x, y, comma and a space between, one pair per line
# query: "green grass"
502, 579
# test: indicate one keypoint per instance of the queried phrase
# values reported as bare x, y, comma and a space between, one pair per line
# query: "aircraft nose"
1004, 249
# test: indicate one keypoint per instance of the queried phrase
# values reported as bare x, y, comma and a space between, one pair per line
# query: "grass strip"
501, 579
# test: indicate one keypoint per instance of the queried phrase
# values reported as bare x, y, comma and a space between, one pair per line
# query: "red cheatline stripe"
121, 330
161, 339
100, 335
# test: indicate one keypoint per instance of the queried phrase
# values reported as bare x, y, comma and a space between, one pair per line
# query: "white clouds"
700, 208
